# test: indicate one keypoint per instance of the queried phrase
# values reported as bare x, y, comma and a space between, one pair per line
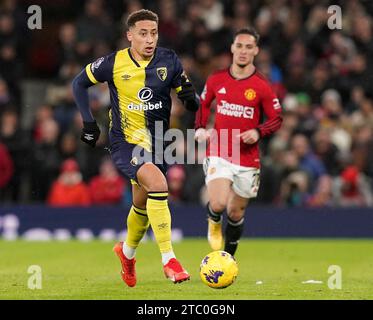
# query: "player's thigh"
246, 182
236, 206
139, 196
151, 178
218, 178
218, 191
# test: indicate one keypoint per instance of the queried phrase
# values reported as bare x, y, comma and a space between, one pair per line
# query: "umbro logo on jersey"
88, 136
222, 91
126, 77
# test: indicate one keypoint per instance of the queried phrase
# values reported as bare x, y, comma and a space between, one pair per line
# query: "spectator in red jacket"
108, 186
351, 189
69, 189
6, 167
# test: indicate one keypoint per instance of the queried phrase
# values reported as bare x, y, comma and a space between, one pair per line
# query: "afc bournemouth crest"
134, 162
162, 73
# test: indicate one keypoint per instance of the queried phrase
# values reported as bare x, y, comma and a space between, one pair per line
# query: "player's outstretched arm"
90, 132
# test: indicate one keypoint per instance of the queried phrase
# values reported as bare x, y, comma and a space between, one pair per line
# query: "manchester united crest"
212, 170
162, 73
250, 94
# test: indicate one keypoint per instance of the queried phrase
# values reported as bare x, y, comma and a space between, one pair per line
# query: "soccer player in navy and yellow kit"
140, 79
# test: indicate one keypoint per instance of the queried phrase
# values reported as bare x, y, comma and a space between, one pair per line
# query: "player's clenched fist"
90, 133
250, 136
187, 91
187, 94
201, 135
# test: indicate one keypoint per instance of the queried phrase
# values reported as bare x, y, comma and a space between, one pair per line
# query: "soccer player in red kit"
232, 166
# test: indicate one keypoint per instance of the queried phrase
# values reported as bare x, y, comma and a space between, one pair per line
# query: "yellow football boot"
214, 234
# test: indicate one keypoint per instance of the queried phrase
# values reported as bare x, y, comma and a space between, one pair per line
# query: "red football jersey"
240, 106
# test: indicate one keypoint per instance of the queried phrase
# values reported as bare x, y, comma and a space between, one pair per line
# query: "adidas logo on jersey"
222, 91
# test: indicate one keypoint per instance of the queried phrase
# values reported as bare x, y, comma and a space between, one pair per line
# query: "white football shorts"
245, 180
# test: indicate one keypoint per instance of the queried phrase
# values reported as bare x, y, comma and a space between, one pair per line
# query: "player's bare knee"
236, 213
152, 179
158, 187
217, 205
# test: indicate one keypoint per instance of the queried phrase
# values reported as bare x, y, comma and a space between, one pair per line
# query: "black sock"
233, 233
214, 216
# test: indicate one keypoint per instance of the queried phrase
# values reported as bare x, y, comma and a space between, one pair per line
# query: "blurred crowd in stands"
322, 155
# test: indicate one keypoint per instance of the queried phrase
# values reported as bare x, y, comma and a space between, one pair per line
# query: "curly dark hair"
141, 15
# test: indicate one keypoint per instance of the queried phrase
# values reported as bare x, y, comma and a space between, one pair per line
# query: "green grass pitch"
78, 270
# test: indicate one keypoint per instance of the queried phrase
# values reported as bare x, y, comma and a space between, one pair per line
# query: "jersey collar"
230, 73
136, 63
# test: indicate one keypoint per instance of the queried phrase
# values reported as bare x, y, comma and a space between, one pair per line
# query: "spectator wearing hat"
351, 189
69, 188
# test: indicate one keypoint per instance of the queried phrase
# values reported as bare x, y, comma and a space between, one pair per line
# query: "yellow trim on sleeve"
178, 89
133, 182
90, 74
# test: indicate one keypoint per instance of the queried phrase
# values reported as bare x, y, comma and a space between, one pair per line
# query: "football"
218, 270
